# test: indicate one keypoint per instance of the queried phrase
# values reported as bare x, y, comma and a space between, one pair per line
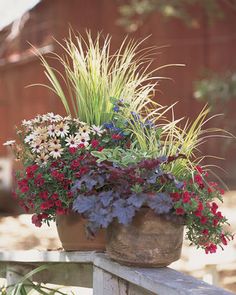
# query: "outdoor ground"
17, 233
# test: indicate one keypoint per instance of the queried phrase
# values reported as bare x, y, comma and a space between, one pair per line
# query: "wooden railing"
97, 271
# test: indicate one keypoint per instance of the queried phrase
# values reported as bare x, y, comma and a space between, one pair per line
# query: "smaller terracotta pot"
149, 241
71, 231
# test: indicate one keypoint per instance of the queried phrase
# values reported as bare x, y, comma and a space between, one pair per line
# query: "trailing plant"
27, 286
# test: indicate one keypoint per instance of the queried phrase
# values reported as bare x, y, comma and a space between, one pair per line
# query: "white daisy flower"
62, 129
52, 130
84, 129
56, 151
9, 142
77, 121
29, 138
39, 131
72, 141
54, 118
82, 139
36, 147
68, 118
42, 159
26, 123
53, 141
97, 130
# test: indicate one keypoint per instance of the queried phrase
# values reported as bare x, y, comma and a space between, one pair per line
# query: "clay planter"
71, 231
149, 241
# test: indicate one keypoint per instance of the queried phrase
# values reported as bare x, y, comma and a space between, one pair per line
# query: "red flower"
223, 239
30, 170
37, 220
46, 205
200, 206
58, 203
205, 232
219, 215
197, 213
43, 195
215, 222
186, 197
81, 146
59, 176
54, 196
23, 185
214, 208
75, 164
211, 248
179, 211
39, 181
61, 211
72, 150
100, 148
203, 220
94, 143
199, 169
116, 136
175, 196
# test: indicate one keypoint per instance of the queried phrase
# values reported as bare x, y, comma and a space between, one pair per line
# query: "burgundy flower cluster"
197, 202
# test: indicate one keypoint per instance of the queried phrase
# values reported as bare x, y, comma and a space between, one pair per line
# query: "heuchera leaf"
106, 198
160, 203
123, 212
137, 200
84, 204
101, 218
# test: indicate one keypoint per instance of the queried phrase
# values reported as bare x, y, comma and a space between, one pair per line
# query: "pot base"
71, 231
149, 241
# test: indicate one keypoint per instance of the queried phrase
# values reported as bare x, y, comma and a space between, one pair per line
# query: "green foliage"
92, 75
135, 12
27, 286
216, 89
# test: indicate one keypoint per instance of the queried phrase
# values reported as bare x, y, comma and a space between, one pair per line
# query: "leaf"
123, 212
106, 198
101, 218
137, 200
84, 204
160, 203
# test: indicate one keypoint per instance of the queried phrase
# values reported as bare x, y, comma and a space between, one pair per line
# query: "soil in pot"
149, 241
71, 231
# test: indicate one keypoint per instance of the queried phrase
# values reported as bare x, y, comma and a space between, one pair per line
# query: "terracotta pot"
71, 231
149, 241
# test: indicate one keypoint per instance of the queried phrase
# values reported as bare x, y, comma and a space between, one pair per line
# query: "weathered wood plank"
162, 281
47, 256
108, 277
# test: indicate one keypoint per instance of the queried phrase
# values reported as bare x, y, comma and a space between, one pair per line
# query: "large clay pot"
149, 241
71, 231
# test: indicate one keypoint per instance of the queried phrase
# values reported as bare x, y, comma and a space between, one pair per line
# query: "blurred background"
198, 33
